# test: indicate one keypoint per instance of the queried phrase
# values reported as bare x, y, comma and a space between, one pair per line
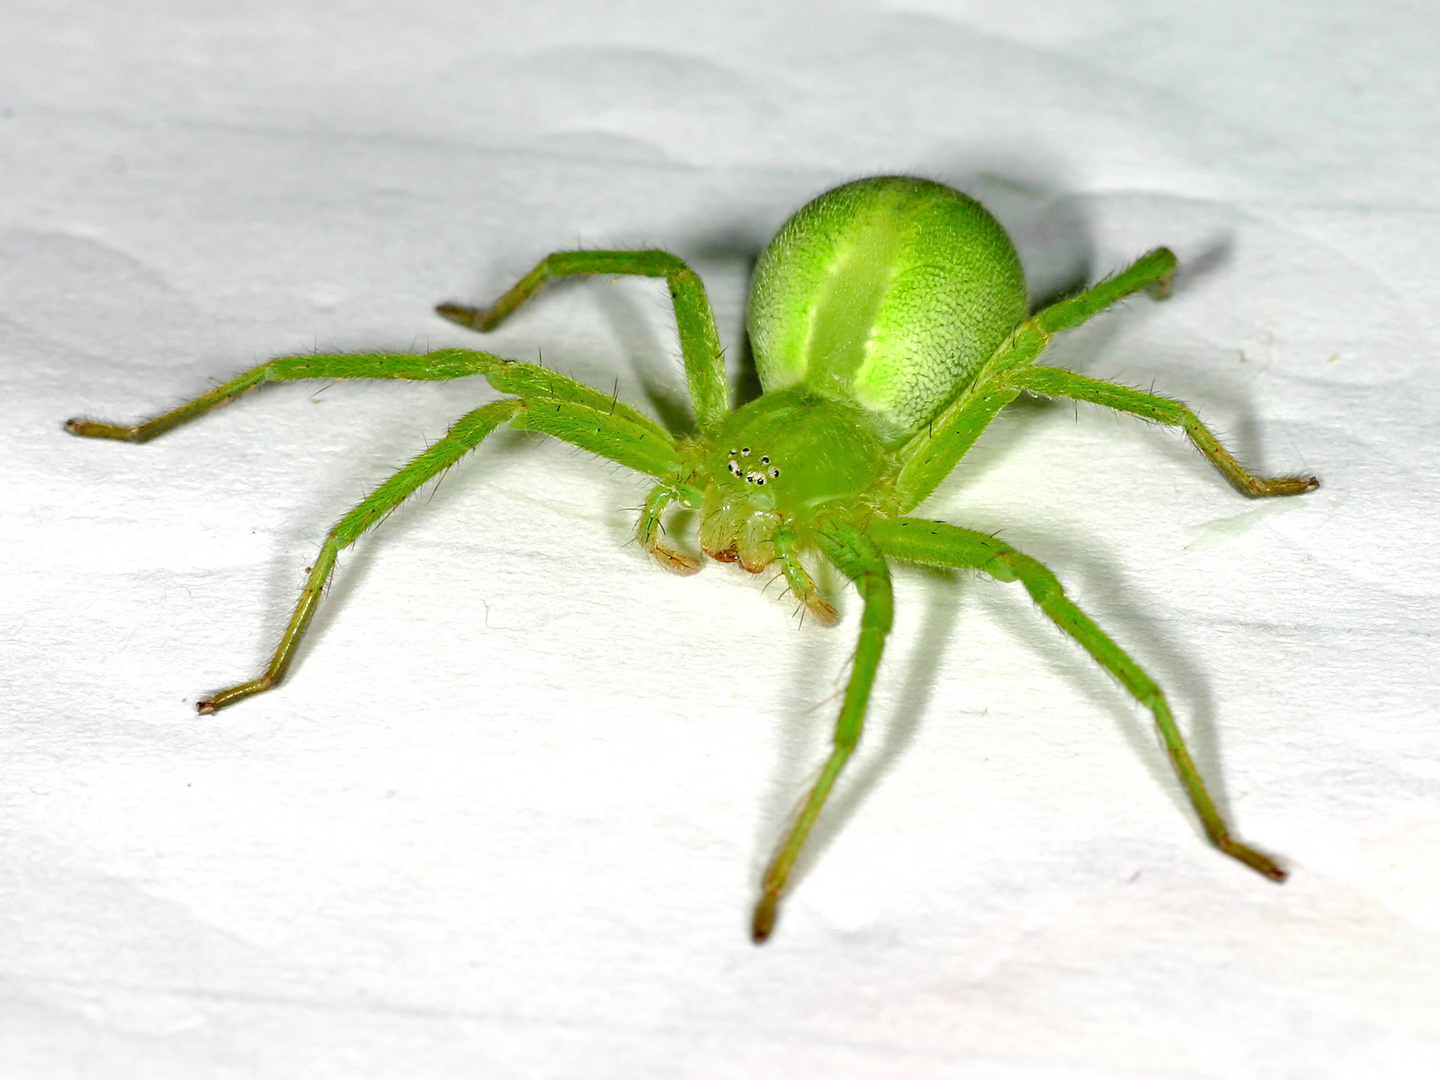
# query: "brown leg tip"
764, 921
823, 612
98, 429
472, 318
1261, 864
204, 708
677, 562
1286, 485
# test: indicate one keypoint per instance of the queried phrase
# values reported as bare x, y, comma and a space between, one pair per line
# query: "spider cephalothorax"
777, 463
889, 324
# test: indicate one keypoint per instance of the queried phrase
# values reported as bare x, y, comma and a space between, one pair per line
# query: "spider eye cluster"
751, 475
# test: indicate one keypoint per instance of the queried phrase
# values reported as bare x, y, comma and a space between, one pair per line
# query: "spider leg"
464, 436
799, 579
548, 402
699, 343
647, 532
941, 544
565, 408
863, 564
1153, 271
447, 364
933, 452
611, 436
1055, 382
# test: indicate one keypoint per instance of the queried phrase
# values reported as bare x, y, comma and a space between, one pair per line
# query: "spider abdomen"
888, 292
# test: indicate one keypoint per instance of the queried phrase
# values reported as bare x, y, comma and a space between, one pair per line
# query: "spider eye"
774, 473
765, 460
744, 451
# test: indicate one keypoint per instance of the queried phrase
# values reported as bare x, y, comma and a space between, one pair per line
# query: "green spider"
889, 324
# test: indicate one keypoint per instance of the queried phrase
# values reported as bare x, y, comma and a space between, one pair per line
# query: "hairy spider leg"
285, 369
281, 369
464, 436
933, 452
940, 544
860, 561
1056, 382
699, 343
647, 531
548, 402
787, 550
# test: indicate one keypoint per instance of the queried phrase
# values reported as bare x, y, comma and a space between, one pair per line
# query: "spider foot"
677, 562
94, 429
473, 318
234, 694
764, 921
1258, 862
1287, 485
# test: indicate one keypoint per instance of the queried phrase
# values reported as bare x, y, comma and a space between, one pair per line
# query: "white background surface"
507, 817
